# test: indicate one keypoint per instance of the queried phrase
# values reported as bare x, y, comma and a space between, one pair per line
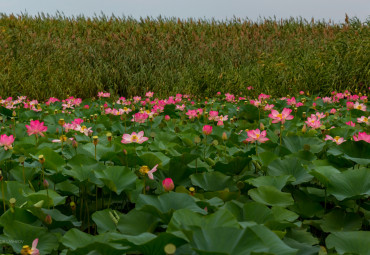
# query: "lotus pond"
183, 175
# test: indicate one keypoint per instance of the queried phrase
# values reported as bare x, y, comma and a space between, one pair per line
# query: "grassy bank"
58, 56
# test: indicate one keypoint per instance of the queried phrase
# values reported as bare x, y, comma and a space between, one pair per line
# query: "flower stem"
281, 132
3, 193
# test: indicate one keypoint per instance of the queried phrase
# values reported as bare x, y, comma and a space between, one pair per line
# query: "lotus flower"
256, 136
36, 128
33, 251
362, 136
337, 139
281, 117
6, 141
207, 129
134, 138
145, 170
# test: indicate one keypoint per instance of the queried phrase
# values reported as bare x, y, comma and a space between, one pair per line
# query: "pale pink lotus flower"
180, 107
137, 99
34, 250
268, 107
150, 173
213, 115
313, 122
6, 141
301, 92
84, 130
359, 106
326, 100
332, 111
257, 136
337, 139
36, 128
134, 138
149, 94
291, 101
362, 136
250, 88
207, 129
350, 123
168, 184
229, 97
363, 119
263, 97
102, 94
140, 117
221, 118
281, 117
320, 115
256, 103
192, 114
220, 123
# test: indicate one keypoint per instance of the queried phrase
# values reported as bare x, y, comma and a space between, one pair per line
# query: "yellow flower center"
258, 135
83, 128
280, 115
133, 138
337, 138
125, 108
144, 170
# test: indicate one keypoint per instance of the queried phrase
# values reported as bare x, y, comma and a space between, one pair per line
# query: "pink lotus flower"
134, 138
149, 94
213, 115
168, 184
207, 129
192, 114
33, 251
167, 117
313, 122
6, 141
36, 128
332, 111
363, 119
281, 117
268, 107
362, 136
145, 170
221, 118
337, 139
350, 123
102, 94
140, 117
256, 136
359, 106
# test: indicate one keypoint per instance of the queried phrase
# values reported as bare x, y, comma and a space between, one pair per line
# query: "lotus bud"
125, 151
327, 114
224, 136
46, 184
74, 144
95, 140
41, 159
167, 117
48, 219
168, 184
262, 127
304, 129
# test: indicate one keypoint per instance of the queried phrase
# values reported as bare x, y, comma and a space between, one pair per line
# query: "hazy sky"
218, 9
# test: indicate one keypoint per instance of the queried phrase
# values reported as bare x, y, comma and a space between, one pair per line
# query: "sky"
206, 9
